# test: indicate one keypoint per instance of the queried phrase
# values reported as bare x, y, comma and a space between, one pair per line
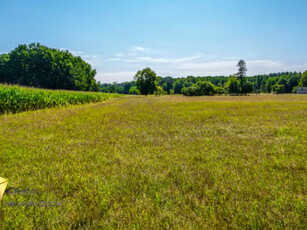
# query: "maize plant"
15, 99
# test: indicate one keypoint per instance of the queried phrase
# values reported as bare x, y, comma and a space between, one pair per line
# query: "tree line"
43, 67
238, 84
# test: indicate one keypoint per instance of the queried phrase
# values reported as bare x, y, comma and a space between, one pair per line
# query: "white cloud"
138, 48
110, 77
127, 64
162, 60
77, 53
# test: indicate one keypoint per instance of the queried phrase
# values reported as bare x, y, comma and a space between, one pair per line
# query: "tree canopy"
257, 84
40, 66
303, 81
146, 81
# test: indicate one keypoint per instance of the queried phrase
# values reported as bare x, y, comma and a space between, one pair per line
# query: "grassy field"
159, 162
14, 99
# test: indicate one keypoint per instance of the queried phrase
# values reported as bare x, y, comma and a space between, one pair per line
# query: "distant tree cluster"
286, 82
40, 66
239, 84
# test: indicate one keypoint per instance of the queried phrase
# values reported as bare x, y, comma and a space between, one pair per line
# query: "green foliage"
219, 90
260, 83
40, 66
146, 81
199, 89
278, 89
178, 87
14, 99
242, 71
134, 90
206, 88
246, 88
303, 81
159, 91
166, 83
193, 90
232, 86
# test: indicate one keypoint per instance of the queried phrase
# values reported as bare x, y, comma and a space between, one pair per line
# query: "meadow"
14, 99
216, 162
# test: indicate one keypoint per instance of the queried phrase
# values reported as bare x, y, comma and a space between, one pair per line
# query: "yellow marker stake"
3, 184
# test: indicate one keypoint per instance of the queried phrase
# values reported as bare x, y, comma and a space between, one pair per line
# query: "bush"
134, 90
219, 90
193, 90
278, 89
199, 89
232, 86
159, 91
247, 87
206, 88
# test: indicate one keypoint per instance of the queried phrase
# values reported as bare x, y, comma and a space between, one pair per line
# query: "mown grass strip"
15, 99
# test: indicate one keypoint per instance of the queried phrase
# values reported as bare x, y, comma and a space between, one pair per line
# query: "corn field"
15, 99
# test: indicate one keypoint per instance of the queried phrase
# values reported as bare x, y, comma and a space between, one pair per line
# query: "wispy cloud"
136, 50
93, 59
126, 64
162, 60
110, 77
229, 67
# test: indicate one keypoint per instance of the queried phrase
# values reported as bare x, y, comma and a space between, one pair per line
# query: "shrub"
206, 88
134, 90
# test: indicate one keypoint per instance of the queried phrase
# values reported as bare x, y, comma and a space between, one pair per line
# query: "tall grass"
168, 162
14, 99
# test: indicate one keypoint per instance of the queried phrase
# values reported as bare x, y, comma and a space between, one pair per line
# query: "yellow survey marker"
3, 184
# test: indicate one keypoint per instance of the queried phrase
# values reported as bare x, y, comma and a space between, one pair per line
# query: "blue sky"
173, 37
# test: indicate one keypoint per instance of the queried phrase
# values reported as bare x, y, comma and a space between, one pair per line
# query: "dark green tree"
206, 88
193, 90
232, 86
242, 70
127, 86
146, 81
241, 74
134, 90
40, 66
177, 87
247, 88
303, 81
278, 89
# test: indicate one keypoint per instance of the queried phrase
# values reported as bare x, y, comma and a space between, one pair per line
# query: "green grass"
14, 99
160, 162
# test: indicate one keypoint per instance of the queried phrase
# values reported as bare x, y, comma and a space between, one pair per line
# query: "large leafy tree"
41, 66
146, 81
